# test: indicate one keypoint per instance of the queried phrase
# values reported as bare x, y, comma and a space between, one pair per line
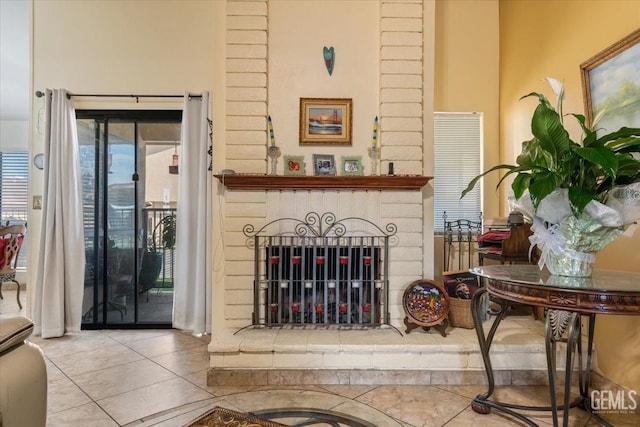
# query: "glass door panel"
127, 195
91, 145
120, 198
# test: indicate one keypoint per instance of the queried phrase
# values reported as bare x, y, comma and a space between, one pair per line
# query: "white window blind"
13, 188
457, 160
14, 177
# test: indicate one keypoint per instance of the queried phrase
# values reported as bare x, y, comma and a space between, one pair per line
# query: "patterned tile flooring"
158, 378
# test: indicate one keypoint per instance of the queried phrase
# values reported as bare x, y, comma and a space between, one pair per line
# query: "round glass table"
567, 300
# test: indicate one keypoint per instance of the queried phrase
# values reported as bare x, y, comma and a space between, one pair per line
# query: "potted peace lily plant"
579, 196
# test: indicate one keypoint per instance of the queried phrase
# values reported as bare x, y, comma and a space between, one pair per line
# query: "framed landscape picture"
325, 121
611, 85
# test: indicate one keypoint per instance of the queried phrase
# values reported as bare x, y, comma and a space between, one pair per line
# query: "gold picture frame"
603, 77
325, 120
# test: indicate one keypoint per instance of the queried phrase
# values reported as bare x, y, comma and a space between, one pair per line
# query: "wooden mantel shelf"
239, 181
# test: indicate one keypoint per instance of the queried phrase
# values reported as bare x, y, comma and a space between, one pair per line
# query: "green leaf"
615, 138
541, 98
589, 135
542, 185
628, 165
547, 127
600, 156
627, 144
579, 198
520, 184
475, 180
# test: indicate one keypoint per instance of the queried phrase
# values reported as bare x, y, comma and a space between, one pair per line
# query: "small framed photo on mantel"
324, 164
351, 165
294, 165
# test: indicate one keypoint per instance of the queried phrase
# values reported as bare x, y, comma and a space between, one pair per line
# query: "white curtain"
60, 270
192, 285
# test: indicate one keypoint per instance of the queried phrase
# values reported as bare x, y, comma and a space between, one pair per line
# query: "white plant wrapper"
626, 200
567, 243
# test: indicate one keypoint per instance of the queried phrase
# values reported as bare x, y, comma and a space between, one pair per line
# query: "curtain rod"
40, 94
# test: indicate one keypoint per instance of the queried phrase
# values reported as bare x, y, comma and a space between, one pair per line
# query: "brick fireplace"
257, 78
250, 348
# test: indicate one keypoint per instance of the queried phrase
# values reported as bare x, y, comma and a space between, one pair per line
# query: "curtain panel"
60, 269
192, 287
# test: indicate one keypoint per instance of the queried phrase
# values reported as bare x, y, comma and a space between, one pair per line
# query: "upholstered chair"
23, 376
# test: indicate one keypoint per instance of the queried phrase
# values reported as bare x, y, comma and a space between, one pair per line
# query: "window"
14, 173
13, 188
457, 160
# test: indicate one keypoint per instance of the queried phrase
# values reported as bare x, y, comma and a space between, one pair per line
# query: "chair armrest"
14, 331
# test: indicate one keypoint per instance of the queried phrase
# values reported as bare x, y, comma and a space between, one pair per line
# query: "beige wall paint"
116, 47
297, 33
467, 75
467, 79
552, 38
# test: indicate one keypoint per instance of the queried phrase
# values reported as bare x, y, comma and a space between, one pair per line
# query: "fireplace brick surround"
243, 353
240, 354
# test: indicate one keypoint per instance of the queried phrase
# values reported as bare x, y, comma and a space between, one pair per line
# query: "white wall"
15, 70
14, 135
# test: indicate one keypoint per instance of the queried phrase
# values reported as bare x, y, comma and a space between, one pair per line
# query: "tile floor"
157, 378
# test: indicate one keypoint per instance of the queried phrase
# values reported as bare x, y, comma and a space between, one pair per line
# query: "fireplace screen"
320, 273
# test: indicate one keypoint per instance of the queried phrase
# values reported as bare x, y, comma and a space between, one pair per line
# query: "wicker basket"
460, 313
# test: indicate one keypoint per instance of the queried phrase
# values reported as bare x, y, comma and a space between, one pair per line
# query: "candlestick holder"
273, 152
374, 155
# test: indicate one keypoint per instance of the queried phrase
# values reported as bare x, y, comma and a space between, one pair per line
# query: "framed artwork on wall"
294, 165
325, 121
611, 85
351, 165
324, 164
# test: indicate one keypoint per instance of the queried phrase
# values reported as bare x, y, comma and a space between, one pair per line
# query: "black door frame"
106, 117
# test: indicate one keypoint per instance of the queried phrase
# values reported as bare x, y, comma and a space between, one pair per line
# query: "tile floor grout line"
456, 415
83, 391
97, 402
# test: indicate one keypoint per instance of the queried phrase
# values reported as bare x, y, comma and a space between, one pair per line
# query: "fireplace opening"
320, 273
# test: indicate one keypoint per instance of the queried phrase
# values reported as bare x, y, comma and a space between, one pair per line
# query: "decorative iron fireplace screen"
313, 275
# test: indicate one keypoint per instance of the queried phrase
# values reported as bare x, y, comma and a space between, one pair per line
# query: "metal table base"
560, 326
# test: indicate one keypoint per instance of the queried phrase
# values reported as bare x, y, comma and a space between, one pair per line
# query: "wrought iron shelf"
239, 181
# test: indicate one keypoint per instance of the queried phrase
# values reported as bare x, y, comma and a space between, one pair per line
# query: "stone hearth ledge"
270, 356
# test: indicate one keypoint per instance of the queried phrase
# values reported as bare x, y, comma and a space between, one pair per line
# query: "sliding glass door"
129, 194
